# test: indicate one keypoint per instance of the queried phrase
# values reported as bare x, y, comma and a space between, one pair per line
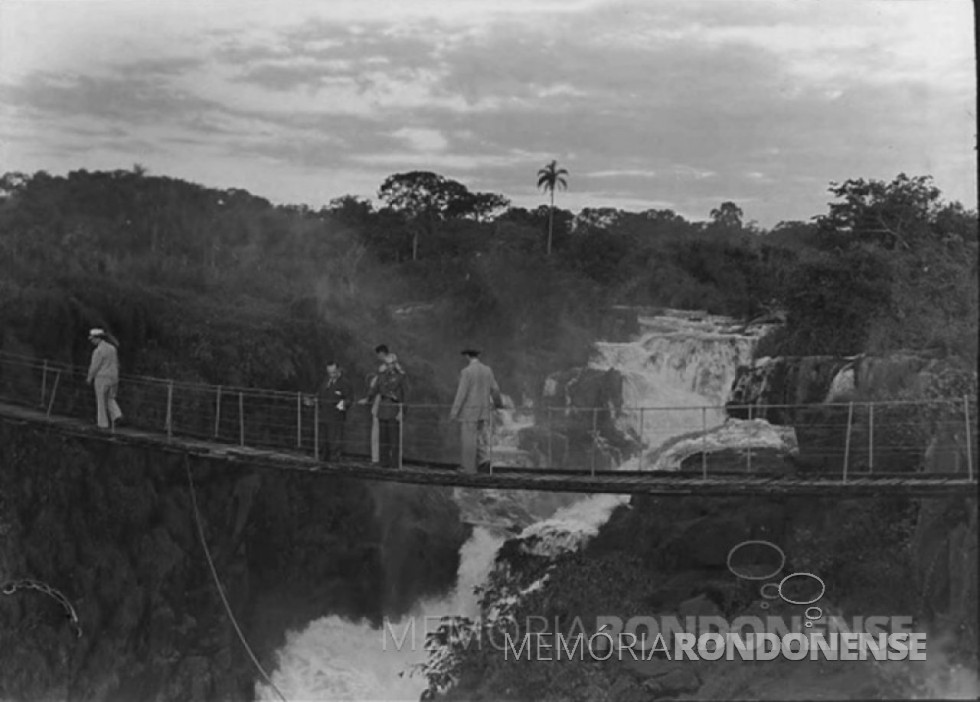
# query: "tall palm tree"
549, 177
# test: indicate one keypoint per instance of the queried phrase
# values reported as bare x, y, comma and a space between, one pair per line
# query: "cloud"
127, 97
448, 161
630, 173
653, 101
422, 139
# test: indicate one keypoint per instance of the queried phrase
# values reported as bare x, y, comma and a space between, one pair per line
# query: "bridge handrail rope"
261, 418
34, 363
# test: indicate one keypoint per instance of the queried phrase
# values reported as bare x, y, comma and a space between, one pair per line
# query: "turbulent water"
681, 360
678, 374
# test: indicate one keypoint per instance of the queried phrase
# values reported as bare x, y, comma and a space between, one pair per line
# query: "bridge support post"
969, 447
871, 437
299, 420
401, 435
44, 381
217, 412
639, 460
704, 443
847, 439
170, 408
595, 435
241, 419
54, 391
748, 452
316, 428
551, 430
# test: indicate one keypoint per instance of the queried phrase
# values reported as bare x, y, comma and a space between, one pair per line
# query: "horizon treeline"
172, 264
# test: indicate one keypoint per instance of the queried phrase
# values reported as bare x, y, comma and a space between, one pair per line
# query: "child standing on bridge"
103, 373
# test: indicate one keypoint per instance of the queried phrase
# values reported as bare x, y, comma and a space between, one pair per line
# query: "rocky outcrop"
670, 557
620, 323
812, 395
760, 389
113, 529
944, 545
734, 445
806, 380
575, 422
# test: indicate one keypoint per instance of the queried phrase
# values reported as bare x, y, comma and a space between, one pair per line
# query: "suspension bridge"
281, 430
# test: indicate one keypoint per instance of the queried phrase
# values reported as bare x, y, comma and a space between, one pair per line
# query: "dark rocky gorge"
669, 557
113, 529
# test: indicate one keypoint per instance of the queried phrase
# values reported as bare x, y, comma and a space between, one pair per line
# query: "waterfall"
682, 363
682, 360
339, 660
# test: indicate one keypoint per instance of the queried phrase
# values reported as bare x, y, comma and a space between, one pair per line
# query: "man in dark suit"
335, 397
477, 396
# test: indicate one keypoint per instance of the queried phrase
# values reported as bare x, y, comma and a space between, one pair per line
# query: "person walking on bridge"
335, 396
389, 389
477, 396
103, 375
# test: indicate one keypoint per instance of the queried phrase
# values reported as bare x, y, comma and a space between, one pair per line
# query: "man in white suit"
477, 396
103, 374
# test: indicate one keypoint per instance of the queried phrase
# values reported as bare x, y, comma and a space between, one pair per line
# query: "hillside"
223, 286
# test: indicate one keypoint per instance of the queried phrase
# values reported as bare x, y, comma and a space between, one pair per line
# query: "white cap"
96, 332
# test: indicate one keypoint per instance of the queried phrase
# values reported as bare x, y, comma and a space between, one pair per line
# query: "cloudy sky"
648, 104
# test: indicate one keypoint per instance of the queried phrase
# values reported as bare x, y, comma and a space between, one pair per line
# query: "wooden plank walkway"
613, 482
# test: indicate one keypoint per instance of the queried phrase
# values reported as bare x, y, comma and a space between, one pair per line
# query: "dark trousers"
389, 439
333, 437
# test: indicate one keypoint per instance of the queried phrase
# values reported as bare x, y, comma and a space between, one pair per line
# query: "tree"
549, 178
727, 216
350, 210
478, 206
896, 215
422, 197
425, 198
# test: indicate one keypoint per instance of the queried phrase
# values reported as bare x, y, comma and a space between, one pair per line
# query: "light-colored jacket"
476, 395
105, 362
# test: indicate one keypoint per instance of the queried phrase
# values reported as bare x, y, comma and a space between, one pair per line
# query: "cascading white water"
682, 360
336, 659
678, 375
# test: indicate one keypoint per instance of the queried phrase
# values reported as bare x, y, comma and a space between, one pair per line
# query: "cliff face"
669, 557
113, 529
811, 394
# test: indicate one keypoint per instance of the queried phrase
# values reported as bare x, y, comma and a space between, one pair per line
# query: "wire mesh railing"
847, 439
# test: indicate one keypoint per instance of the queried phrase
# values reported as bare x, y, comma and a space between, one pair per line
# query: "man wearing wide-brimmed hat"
103, 374
477, 396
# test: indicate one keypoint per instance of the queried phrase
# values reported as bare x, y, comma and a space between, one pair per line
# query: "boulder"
785, 380
700, 606
666, 678
576, 423
584, 388
735, 437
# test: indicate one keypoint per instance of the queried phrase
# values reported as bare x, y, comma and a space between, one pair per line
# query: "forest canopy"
170, 263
